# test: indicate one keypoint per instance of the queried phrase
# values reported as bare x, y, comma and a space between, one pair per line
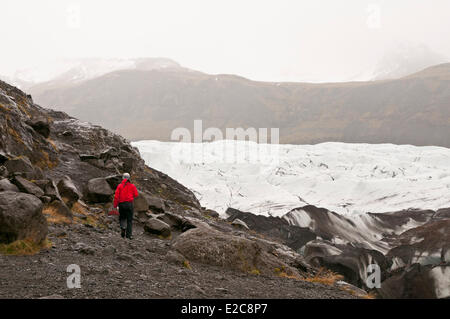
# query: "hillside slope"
143, 104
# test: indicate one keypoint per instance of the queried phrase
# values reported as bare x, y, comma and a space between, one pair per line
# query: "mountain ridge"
150, 104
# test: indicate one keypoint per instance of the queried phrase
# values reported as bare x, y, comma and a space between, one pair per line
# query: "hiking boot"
130, 237
123, 233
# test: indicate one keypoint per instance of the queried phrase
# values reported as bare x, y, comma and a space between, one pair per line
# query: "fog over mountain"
405, 60
150, 103
287, 40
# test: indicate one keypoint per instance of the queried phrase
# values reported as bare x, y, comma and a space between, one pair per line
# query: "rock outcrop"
21, 218
6, 185
68, 191
157, 227
28, 187
216, 248
99, 190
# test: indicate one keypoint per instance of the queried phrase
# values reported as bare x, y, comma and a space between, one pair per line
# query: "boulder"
114, 180
3, 171
42, 183
177, 222
51, 190
141, 204
155, 204
21, 165
99, 190
6, 185
3, 157
60, 208
68, 191
239, 224
28, 187
21, 218
209, 246
157, 227
40, 125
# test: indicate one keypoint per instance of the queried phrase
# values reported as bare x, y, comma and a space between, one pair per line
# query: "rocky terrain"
411, 247
57, 180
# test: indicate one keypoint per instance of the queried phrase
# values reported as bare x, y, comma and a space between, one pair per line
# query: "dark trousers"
126, 217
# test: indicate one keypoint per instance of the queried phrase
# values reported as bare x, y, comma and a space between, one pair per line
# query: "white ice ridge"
345, 178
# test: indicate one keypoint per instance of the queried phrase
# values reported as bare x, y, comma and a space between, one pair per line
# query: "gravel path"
112, 267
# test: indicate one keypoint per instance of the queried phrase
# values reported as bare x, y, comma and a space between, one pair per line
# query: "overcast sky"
277, 40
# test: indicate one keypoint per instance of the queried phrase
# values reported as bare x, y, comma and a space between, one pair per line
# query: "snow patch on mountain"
78, 70
344, 178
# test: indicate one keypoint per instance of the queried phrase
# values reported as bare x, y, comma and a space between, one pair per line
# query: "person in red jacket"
125, 194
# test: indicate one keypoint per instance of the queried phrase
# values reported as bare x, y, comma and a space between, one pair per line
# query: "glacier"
345, 178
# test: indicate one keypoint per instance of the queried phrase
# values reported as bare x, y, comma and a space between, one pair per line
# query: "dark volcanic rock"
41, 126
42, 183
68, 191
60, 208
28, 187
211, 247
155, 204
21, 218
141, 203
99, 191
114, 181
176, 222
157, 227
22, 165
51, 190
3, 158
6, 185
3, 171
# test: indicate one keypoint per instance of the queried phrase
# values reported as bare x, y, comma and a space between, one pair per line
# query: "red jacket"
125, 192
